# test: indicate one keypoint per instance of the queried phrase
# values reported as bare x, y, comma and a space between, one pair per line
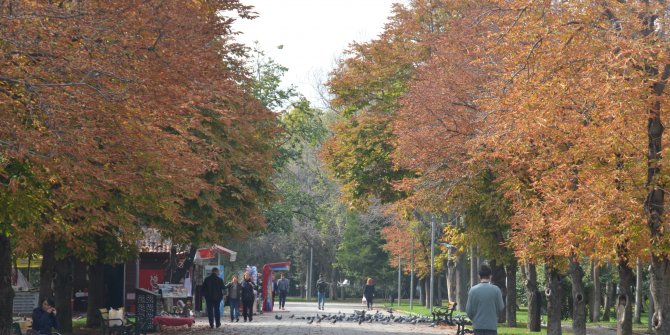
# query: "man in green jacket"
484, 304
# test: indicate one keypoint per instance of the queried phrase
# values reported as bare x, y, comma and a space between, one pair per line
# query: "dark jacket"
212, 288
234, 292
248, 288
43, 321
369, 291
321, 285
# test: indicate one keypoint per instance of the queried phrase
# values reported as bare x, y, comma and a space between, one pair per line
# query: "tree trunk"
554, 293
437, 294
534, 298
595, 299
47, 269
474, 266
96, 293
462, 281
638, 293
654, 207
651, 309
510, 302
498, 278
661, 294
624, 307
578, 300
610, 296
451, 279
422, 294
333, 287
6, 290
63, 294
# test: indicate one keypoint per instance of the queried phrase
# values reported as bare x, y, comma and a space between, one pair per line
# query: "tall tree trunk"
578, 300
63, 294
171, 266
534, 297
597, 288
499, 278
47, 269
474, 266
610, 297
651, 307
638, 293
438, 292
624, 307
422, 293
554, 293
451, 278
462, 281
96, 293
510, 302
660, 271
654, 207
6, 290
332, 288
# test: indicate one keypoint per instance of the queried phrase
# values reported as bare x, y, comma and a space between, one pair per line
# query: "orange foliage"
103, 96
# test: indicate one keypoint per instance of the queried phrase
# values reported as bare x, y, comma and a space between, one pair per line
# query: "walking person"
484, 304
282, 287
212, 290
369, 292
321, 286
248, 297
44, 318
234, 295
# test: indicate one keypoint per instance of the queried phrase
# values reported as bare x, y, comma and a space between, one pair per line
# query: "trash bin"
148, 304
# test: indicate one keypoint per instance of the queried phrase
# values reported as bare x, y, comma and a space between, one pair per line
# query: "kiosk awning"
213, 251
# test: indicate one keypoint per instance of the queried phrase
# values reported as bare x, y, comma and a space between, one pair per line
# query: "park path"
268, 324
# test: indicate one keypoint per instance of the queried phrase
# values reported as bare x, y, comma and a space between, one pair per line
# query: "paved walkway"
268, 324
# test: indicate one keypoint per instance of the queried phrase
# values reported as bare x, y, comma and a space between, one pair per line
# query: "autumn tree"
106, 100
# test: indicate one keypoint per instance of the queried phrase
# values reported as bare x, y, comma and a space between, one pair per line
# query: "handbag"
226, 302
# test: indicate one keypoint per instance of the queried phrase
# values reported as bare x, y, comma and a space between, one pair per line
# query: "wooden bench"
461, 322
114, 325
444, 314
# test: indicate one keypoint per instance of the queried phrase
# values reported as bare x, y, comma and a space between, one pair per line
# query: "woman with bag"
369, 293
233, 298
248, 297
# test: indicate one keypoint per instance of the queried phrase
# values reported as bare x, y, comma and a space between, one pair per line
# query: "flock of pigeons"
361, 317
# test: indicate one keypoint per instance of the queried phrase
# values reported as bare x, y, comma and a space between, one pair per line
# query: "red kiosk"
268, 271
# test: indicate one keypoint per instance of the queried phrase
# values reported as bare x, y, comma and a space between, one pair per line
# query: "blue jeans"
321, 298
234, 309
282, 299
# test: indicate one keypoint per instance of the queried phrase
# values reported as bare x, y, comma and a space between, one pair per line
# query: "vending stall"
268, 280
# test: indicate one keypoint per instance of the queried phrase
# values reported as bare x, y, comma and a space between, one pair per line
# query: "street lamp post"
411, 279
432, 262
399, 278
309, 283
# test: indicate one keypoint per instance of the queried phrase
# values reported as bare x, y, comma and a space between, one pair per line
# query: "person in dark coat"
44, 317
321, 287
248, 297
234, 296
369, 292
282, 286
212, 290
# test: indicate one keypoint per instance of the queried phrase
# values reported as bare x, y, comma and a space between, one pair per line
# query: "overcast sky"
314, 33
